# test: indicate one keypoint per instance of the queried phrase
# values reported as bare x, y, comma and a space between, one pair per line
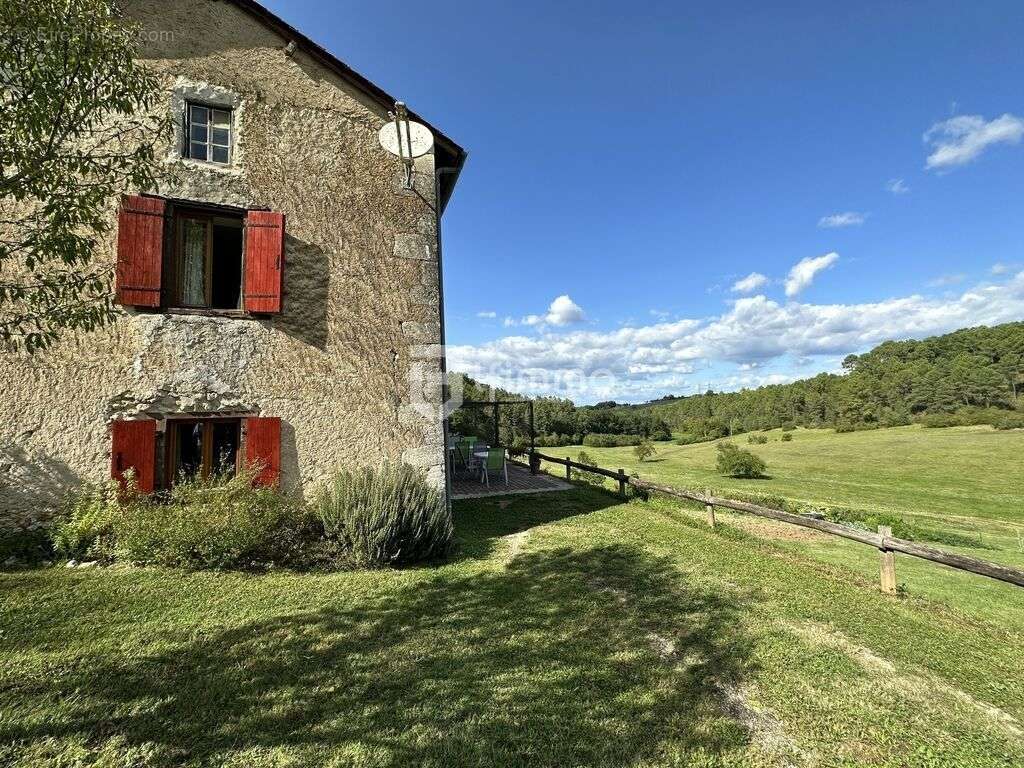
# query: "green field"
965, 484
572, 629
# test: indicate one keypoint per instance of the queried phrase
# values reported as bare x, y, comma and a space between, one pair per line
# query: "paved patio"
519, 481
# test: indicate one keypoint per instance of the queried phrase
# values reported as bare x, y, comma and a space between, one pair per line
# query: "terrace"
509, 429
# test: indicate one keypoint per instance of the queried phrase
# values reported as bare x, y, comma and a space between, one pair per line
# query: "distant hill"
974, 375
977, 373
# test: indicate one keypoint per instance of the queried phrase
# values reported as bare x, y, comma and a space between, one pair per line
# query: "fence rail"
883, 541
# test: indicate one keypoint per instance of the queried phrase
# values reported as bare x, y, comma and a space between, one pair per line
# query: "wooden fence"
883, 541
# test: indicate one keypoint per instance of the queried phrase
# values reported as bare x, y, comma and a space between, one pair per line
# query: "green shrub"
788, 426
207, 523
734, 461
1010, 420
555, 441
387, 516
599, 440
25, 545
203, 523
787, 437
660, 433
757, 438
644, 450
688, 438
590, 478
84, 529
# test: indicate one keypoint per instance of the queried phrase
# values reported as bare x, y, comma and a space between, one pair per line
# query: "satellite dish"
416, 139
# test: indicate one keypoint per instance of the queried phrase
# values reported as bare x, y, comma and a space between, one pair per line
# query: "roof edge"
332, 62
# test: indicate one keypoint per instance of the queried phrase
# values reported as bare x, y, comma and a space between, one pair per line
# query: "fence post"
711, 512
622, 483
568, 468
888, 564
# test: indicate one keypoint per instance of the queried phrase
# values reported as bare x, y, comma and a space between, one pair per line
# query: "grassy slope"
971, 472
574, 630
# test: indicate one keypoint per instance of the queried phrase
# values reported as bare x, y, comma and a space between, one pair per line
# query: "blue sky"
641, 159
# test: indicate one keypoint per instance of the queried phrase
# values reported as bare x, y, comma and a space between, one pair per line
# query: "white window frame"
208, 145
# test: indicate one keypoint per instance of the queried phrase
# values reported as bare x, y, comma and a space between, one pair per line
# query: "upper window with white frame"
209, 133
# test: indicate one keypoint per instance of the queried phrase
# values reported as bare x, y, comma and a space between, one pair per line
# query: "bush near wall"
387, 516
210, 523
369, 518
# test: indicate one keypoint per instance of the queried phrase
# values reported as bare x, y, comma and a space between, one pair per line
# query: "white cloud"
897, 186
944, 281
999, 268
847, 219
961, 139
750, 283
661, 314
803, 273
487, 315
563, 311
636, 363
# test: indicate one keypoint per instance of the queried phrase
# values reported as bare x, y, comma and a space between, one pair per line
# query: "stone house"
280, 293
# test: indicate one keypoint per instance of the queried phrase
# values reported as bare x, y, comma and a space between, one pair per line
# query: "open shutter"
263, 448
264, 261
140, 250
133, 446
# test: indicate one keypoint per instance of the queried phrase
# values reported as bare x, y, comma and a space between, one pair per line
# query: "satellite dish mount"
406, 139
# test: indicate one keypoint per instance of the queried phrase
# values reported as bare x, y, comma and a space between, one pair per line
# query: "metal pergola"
495, 405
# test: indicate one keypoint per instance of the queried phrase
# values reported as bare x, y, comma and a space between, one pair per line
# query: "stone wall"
361, 308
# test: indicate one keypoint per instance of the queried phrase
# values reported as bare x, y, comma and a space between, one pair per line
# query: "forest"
970, 376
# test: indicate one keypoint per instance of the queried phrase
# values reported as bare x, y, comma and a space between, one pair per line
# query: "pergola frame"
495, 404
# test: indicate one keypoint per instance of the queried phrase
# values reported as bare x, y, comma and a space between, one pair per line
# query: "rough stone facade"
361, 316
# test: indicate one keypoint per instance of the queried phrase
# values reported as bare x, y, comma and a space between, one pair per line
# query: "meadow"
572, 628
962, 486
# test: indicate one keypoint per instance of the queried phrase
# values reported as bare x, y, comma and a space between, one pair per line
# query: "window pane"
193, 263
198, 133
199, 114
189, 459
221, 118
220, 136
226, 274
220, 154
225, 447
198, 151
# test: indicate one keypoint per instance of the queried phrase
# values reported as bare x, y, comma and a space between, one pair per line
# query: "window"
208, 260
202, 447
193, 255
208, 133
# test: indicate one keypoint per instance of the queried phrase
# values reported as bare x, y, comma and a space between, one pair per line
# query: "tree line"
974, 375
970, 376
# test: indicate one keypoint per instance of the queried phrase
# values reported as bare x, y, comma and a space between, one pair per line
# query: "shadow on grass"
596, 657
481, 523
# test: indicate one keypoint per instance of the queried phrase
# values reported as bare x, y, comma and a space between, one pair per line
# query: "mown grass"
573, 629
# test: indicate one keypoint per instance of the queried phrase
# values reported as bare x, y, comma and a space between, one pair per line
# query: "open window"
195, 256
207, 260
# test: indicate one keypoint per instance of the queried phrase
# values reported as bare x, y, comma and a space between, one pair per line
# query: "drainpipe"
438, 172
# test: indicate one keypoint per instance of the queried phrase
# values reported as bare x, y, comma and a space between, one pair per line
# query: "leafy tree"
80, 121
734, 461
644, 450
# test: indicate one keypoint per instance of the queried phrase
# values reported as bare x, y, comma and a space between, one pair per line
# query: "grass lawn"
572, 630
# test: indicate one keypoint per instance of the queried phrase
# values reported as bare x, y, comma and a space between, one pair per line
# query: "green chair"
465, 449
495, 462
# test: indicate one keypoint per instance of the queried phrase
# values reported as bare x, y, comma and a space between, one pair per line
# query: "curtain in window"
193, 263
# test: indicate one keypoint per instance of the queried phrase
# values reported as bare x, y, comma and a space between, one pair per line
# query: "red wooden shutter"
140, 250
133, 445
264, 261
263, 448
